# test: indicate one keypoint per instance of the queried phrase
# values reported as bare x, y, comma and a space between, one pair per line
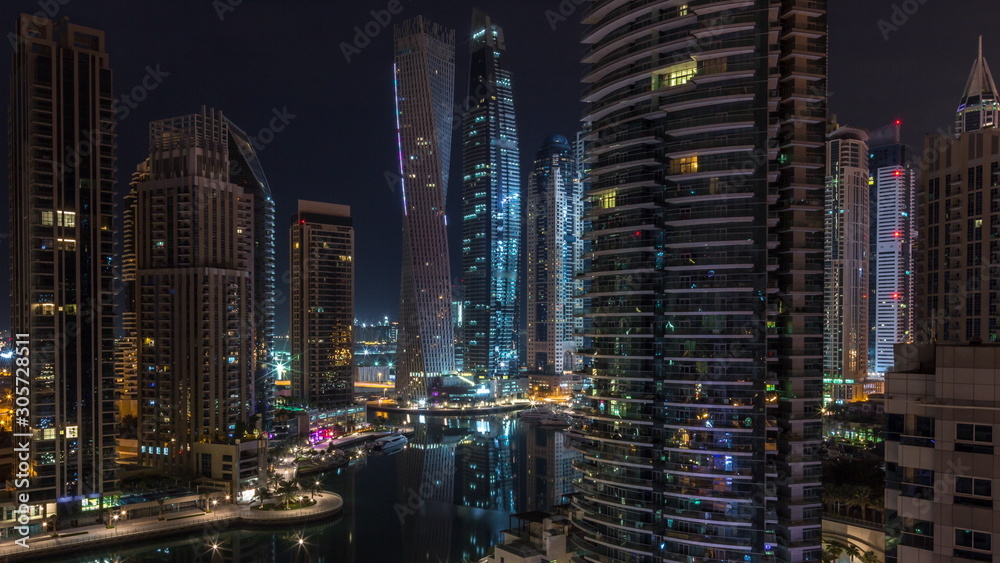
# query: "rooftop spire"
979, 108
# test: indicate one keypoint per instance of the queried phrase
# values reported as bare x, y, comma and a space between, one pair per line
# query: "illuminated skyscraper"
553, 252
980, 106
703, 286
846, 328
424, 83
894, 228
246, 171
322, 304
194, 238
491, 208
62, 238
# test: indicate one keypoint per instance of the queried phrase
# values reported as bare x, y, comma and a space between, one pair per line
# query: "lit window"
686, 165
67, 218
674, 75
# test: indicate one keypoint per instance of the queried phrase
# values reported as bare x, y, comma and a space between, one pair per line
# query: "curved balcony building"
703, 281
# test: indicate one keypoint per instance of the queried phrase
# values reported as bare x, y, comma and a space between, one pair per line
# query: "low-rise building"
237, 469
540, 537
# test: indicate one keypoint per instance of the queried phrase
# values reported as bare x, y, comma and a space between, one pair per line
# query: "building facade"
958, 215
845, 327
941, 422
424, 87
704, 291
195, 238
322, 304
62, 237
893, 230
980, 106
491, 208
553, 250
247, 172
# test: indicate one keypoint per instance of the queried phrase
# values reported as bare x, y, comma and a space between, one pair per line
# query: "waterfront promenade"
193, 523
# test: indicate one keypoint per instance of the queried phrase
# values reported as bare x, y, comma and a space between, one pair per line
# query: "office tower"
322, 304
959, 200
194, 236
424, 82
893, 229
247, 173
62, 238
553, 251
845, 326
491, 207
940, 434
704, 290
980, 106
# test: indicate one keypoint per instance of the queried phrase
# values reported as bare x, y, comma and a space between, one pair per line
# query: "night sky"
275, 55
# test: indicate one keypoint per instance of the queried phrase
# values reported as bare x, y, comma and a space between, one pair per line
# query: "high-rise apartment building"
940, 438
704, 287
980, 106
893, 230
553, 250
247, 172
322, 304
195, 237
424, 85
62, 238
846, 292
957, 216
491, 207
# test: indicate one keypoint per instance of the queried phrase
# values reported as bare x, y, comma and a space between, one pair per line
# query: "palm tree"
852, 552
286, 490
315, 487
860, 497
832, 551
870, 557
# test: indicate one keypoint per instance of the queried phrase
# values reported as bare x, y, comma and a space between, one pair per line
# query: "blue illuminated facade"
491, 208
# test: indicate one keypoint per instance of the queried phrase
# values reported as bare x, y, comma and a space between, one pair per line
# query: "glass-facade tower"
703, 291
491, 208
424, 87
552, 258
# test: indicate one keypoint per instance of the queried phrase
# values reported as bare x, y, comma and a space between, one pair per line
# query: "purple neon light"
399, 135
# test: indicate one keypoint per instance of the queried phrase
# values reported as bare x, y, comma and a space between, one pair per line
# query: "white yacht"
388, 443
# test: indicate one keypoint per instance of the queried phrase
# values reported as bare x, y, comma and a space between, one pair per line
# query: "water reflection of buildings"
484, 468
549, 474
426, 474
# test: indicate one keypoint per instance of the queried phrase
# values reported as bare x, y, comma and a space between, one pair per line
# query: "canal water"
444, 498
